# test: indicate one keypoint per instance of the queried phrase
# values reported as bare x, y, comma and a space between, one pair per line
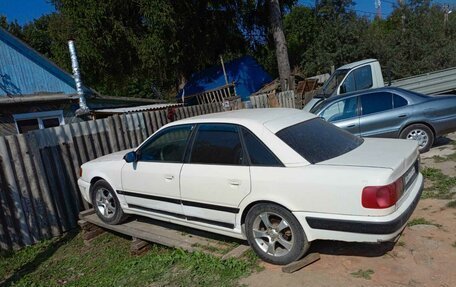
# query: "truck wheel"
421, 133
275, 234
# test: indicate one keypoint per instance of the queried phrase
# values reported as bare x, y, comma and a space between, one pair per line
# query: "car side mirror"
131, 157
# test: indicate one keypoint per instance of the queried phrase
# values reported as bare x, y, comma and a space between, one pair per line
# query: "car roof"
273, 118
367, 91
356, 64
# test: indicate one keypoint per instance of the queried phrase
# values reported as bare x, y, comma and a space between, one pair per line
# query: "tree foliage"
132, 48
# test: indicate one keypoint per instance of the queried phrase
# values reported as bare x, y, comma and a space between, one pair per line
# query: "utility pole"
446, 12
402, 5
378, 6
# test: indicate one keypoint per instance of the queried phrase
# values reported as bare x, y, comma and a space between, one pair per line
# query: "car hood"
395, 154
116, 156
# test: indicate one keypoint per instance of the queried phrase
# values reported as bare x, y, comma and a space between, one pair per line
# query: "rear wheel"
275, 234
421, 133
106, 204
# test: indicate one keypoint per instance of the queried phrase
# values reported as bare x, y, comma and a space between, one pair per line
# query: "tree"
283, 64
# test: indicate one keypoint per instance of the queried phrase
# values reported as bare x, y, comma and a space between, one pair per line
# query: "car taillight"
382, 196
80, 171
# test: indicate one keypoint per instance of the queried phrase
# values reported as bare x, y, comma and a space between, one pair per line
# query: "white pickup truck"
361, 75
367, 74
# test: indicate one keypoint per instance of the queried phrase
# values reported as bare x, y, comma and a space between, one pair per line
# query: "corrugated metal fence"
39, 197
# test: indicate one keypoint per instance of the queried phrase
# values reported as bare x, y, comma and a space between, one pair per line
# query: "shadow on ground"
351, 248
38, 260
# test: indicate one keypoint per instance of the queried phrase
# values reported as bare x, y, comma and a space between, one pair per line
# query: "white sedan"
279, 178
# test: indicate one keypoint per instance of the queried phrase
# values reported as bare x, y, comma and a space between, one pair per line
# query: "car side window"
341, 110
399, 101
359, 79
217, 144
167, 146
258, 152
363, 77
376, 102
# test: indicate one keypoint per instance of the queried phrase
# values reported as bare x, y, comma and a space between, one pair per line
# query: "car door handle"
402, 116
169, 177
351, 126
234, 182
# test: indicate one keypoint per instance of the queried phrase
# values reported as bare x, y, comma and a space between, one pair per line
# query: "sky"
25, 11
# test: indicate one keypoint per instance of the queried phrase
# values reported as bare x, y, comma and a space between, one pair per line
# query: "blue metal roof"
24, 71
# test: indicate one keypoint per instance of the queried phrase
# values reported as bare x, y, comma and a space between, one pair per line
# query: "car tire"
275, 234
422, 133
106, 203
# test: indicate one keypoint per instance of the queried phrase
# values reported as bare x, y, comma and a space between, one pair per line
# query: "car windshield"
317, 140
333, 82
318, 107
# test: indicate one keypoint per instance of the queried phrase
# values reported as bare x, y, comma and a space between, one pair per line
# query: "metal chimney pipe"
83, 108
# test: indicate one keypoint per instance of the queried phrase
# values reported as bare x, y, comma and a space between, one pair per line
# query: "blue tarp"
245, 72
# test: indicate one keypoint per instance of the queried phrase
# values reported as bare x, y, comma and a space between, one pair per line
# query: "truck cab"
361, 75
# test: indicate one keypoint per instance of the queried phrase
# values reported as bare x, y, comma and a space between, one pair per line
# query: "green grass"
401, 243
366, 274
421, 220
107, 262
451, 204
441, 184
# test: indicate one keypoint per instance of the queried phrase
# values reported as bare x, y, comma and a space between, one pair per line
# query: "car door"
215, 176
344, 114
378, 117
152, 182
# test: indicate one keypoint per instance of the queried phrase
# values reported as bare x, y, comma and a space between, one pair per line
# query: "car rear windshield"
317, 140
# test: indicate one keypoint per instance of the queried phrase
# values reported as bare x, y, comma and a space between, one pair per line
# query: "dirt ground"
424, 255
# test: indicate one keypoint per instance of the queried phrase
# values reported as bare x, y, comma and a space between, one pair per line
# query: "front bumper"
84, 188
362, 229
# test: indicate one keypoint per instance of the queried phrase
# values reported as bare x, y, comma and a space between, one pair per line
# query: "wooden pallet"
167, 234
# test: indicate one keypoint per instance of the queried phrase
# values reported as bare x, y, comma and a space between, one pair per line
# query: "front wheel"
275, 234
106, 204
421, 133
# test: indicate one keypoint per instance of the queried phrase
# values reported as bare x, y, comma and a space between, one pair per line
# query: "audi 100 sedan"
392, 113
280, 178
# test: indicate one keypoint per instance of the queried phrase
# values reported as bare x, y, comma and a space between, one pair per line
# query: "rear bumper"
362, 229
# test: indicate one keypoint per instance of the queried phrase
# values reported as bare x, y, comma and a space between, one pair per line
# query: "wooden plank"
148, 122
117, 127
295, 266
154, 121
237, 252
45, 190
20, 233
94, 137
158, 119
125, 132
87, 141
102, 128
23, 185
67, 204
34, 189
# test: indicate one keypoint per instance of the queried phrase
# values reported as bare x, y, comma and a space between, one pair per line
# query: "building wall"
7, 123
23, 71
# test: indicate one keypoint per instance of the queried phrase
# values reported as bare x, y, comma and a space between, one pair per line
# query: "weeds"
441, 184
366, 274
421, 220
451, 204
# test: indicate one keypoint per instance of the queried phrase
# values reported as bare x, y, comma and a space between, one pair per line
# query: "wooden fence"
39, 197
284, 99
